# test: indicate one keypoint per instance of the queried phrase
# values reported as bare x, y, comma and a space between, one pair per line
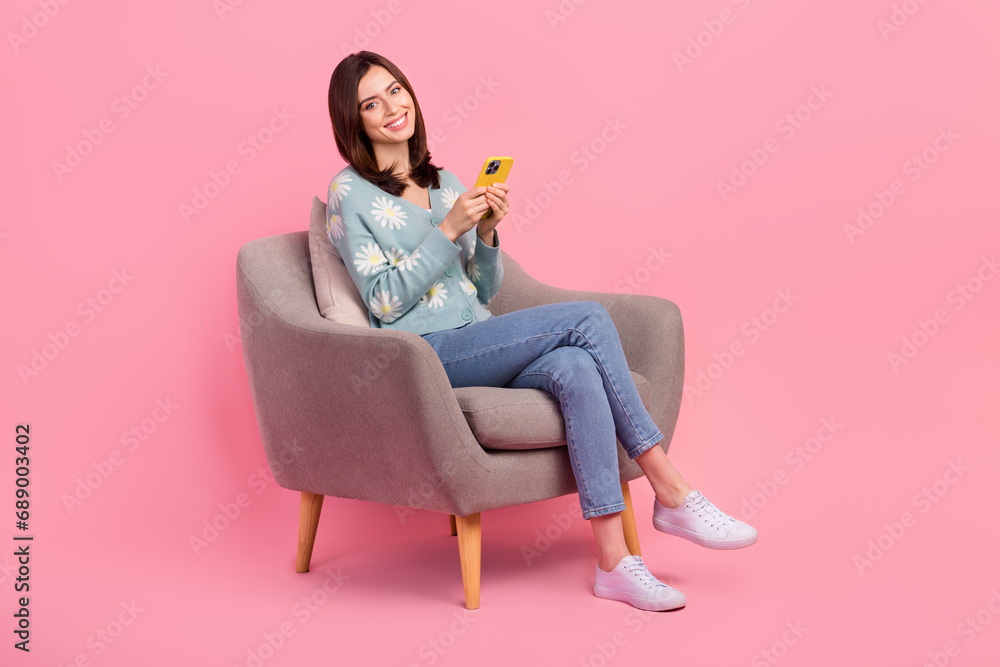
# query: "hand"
465, 213
496, 196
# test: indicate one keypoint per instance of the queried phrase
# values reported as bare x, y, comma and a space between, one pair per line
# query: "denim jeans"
571, 350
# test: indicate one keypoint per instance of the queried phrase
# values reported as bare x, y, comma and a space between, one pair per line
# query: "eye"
393, 91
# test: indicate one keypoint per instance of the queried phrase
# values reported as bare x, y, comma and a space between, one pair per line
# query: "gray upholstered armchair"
316, 387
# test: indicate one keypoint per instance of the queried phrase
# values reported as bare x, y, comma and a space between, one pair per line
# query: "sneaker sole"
646, 604
711, 543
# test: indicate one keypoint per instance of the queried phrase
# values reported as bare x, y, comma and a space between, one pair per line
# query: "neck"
398, 153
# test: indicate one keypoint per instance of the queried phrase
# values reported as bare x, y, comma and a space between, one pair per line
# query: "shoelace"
715, 517
639, 570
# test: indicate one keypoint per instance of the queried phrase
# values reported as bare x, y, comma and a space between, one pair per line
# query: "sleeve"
487, 274
484, 268
388, 288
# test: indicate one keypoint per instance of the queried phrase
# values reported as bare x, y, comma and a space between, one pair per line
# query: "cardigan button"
449, 272
466, 314
435, 221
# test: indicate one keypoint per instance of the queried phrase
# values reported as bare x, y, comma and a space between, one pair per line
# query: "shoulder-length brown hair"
352, 142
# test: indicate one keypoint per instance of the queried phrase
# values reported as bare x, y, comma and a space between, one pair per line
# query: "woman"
411, 236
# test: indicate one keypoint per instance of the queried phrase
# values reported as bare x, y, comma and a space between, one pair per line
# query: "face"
383, 101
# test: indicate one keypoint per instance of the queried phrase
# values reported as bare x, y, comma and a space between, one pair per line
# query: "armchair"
320, 384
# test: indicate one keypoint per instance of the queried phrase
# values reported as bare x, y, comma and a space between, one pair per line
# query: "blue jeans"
571, 350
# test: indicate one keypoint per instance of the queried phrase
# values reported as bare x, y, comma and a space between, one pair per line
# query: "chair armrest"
650, 328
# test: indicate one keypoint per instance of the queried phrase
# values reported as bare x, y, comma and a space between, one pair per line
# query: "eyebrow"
387, 88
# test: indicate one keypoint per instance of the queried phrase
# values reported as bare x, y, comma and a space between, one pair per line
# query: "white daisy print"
402, 262
385, 308
435, 296
335, 226
394, 256
466, 286
369, 259
339, 188
408, 262
472, 269
448, 196
387, 213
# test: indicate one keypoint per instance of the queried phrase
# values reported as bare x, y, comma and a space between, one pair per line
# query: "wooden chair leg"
469, 552
628, 523
454, 529
309, 509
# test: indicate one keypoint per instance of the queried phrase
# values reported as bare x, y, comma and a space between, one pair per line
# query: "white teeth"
398, 122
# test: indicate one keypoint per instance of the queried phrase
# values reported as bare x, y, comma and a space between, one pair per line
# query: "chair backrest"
275, 278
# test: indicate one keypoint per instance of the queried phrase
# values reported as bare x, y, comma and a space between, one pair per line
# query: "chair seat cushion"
506, 418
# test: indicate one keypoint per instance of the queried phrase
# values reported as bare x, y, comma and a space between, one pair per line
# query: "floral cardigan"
408, 272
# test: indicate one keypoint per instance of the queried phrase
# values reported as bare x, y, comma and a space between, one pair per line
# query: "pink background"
171, 333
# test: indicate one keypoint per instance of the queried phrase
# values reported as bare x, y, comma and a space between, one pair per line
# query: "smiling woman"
423, 259
407, 228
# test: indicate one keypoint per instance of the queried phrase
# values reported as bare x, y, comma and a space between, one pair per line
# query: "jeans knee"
571, 362
597, 313
594, 308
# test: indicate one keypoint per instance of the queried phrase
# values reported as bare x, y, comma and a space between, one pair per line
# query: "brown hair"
352, 142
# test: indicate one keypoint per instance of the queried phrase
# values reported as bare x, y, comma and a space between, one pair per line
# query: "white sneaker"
632, 582
701, 522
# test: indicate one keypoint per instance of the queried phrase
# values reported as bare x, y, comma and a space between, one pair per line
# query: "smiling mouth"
398, 122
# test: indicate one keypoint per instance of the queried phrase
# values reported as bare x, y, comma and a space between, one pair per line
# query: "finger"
474, 193
501, 195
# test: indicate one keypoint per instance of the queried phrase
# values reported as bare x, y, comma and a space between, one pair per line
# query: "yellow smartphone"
495, 170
